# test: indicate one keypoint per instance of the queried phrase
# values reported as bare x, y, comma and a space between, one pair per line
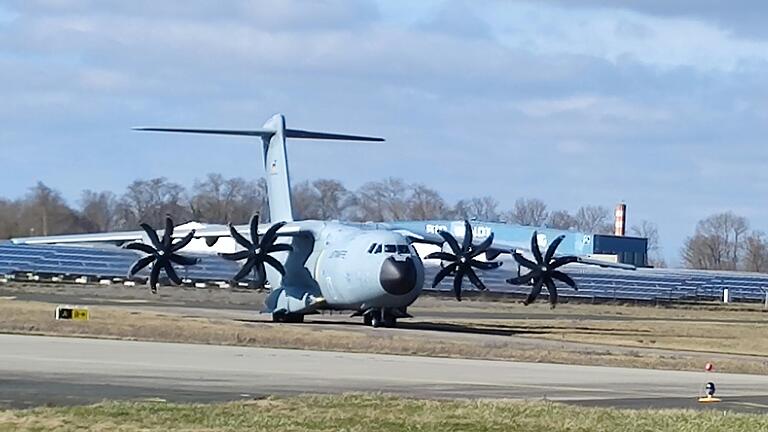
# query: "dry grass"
367, 412
498, 339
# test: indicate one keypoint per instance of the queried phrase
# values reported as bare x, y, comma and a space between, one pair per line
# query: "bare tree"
9, 219
528, 211
717, 244
220, 200
44, 212
482, 208
383, 200
756, 252
561, 219
334, 199
150, 200
306, 201
425, 203
99, 209
650, 232
594, 219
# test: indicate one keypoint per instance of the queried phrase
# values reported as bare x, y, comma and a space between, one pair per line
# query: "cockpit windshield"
377, 248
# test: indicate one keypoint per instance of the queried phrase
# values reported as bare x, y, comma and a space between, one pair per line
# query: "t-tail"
273, 136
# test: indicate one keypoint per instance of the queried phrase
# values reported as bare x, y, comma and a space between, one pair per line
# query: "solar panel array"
660, 285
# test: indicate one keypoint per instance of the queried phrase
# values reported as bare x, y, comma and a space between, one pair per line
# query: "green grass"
370, 412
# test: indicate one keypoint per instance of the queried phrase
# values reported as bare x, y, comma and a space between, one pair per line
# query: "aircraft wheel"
283, 317
367, 319
376, 321
389, 320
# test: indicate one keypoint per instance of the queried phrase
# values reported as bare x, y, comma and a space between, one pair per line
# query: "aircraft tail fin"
273, 136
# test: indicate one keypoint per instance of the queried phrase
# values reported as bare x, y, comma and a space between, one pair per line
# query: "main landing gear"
379, 318
284, 317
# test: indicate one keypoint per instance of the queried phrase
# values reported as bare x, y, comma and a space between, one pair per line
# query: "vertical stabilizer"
276, 171
273, 137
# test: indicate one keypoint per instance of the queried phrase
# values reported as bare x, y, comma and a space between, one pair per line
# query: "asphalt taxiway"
36, 370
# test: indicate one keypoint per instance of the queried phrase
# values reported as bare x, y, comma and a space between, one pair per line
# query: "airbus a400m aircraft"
370, 269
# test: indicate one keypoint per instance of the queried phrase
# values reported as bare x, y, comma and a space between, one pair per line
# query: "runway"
36, 370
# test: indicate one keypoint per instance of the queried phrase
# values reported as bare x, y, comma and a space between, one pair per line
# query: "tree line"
217, 199
724, 241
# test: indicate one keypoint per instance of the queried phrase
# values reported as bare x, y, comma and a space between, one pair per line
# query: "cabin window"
390, 248
370, 249
378, 249
402, 249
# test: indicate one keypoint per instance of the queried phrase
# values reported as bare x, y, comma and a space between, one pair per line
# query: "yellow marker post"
66, 312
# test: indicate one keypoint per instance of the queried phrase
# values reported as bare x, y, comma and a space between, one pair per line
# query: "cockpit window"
402, 249
390, 248
378, 249
370, 249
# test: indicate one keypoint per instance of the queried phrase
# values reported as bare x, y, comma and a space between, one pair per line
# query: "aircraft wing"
416, 233
123, 237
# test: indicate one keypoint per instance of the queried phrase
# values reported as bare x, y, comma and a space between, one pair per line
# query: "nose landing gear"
379, 318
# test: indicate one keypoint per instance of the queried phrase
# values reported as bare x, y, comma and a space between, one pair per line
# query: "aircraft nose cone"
398, 277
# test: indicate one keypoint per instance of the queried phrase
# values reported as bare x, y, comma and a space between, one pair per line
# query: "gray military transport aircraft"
311, 265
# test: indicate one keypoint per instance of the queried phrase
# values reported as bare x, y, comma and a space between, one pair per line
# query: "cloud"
571, 106
745, 18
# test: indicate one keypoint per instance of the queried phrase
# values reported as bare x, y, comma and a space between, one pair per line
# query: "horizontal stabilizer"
297, 133
264, 133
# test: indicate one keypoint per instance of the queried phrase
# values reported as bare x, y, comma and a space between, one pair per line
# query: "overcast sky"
661, 104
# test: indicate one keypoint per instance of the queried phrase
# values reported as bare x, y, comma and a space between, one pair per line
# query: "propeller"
462, 260
544, 271
257, 251
162, 253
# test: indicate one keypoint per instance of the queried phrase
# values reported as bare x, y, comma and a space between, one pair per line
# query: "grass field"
371, 412
538, 339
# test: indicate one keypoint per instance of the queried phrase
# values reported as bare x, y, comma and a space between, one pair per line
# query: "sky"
661, 104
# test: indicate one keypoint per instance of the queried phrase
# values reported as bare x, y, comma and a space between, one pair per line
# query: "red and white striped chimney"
619, 227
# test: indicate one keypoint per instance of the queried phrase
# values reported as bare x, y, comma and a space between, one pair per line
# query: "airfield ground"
76, 372
669, 337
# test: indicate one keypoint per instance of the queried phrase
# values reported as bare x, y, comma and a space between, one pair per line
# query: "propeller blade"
152, 235
552, 292
140, 247
182, 260
475, 280
535, 291
451, 240
242, 241
484, 265
443, 273
237, 256
154, 275
168, 233
562, 277
255, 228
210, 241
271, 234
245, 269
457, 280
535, 248
277, 265
183, 242
482, 247
171, 272
445, 256
140, 264
520, 280
525, 262
280, 247
467, 243
551, 249
261, 273
558, 262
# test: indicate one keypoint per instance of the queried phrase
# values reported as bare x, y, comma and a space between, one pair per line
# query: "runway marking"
8, 298
128, 301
